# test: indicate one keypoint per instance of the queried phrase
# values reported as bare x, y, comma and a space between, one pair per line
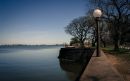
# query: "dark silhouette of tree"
104, 31
79, 28
74, 40
116, 13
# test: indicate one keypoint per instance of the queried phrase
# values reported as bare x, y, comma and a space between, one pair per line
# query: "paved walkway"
100, 69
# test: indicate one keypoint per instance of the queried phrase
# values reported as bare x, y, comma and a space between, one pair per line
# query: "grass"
121, 53
121, 63
110, 50
120, 60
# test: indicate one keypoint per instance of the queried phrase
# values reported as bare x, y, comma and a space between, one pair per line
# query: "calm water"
35, 64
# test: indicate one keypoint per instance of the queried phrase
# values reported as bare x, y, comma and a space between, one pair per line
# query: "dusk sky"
38, 21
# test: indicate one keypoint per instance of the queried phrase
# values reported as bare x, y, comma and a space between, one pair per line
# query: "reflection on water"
31, 64
72, 69
35, 64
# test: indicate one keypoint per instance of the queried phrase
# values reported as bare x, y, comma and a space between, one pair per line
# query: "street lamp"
97, 14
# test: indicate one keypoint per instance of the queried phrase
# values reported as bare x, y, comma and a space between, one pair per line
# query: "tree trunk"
104, 43
82, 44
93, 43
116, 45
117, 36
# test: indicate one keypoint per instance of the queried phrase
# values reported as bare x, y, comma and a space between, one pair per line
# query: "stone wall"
75, 54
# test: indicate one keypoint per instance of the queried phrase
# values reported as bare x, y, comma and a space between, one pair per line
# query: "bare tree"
74, 40
79, 28
104, 33
104, 36
117, 13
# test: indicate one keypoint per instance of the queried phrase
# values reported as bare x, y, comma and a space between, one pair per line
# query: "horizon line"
31, 44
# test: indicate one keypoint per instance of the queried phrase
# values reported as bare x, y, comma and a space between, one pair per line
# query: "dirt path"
122, 64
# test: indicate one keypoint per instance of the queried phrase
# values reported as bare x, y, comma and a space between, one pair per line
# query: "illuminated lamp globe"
97, 13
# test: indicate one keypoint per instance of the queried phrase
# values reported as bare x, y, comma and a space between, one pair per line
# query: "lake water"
35, 64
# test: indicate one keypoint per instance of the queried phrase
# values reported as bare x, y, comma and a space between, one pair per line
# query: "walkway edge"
100, 69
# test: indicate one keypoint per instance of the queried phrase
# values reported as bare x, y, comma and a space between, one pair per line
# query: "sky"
38, 21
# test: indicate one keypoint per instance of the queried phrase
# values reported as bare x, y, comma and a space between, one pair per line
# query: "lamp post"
97, 14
